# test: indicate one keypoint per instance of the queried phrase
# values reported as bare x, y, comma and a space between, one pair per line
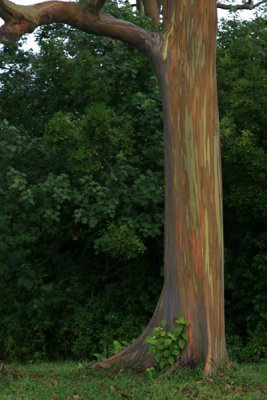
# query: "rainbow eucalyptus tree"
183, 55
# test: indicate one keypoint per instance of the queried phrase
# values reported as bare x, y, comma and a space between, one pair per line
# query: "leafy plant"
167, 344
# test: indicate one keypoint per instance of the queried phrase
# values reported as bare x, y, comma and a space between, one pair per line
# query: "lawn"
68, 381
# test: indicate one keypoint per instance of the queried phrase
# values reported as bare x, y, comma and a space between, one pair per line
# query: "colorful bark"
193, 195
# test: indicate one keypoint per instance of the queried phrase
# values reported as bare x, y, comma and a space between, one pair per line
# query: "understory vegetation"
81, 198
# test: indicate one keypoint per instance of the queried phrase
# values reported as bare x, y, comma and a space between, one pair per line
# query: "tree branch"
140, 6
152, 10
25, 19
249, 5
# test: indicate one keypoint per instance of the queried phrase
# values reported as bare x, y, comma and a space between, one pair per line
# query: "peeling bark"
193, 195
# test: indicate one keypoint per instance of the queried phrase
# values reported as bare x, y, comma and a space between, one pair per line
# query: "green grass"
65, 381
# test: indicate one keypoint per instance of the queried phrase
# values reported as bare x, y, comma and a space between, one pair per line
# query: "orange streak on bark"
193, 194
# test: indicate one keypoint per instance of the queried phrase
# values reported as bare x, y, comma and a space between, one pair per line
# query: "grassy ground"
65, 381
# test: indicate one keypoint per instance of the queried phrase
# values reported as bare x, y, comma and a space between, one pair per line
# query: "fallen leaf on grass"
76, 396
16, 373
262, 388
240, 390
101, 387
36, 376
112, 388
3, 371
190, 393
121, 370
54, 398
201, 382
52, 382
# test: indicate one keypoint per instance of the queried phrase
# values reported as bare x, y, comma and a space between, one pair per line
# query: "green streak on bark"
191, 167
166, 42
207, 258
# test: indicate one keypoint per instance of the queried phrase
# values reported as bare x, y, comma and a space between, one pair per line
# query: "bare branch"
24, 19
153, 9
250, 5
140, 7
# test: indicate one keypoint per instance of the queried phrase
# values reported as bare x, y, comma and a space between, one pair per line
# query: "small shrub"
167, 344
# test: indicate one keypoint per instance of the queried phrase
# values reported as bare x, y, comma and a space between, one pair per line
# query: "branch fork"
249, 5
95, 6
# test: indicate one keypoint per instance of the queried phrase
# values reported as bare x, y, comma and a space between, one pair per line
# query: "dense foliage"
242, 62
81, 184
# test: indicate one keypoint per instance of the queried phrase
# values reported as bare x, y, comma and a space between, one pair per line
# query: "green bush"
167, 345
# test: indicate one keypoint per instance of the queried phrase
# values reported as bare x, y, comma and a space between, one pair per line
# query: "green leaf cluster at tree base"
167, 345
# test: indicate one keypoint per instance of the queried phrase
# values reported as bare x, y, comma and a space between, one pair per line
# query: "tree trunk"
193, 255
193, 195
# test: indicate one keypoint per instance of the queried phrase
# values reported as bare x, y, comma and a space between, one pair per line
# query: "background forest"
81, 193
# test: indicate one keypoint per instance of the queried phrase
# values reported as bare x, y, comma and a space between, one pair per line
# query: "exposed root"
135, 356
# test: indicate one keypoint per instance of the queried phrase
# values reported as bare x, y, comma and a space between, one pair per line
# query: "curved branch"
25, 19
250, 5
